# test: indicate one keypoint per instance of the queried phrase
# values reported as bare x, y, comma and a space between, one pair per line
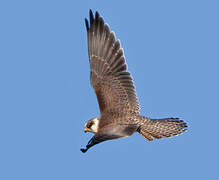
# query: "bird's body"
116, 94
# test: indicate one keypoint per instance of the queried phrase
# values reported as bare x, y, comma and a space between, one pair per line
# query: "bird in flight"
116, 94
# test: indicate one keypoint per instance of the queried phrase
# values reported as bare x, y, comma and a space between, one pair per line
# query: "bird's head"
92, 125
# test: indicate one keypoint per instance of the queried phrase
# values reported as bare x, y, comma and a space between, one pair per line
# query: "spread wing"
112, 83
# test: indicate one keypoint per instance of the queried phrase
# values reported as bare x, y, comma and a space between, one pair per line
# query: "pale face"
92, 125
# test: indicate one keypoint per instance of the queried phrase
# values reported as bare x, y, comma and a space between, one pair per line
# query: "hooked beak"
86, 129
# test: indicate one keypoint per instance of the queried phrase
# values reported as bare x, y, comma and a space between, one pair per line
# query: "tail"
159, 128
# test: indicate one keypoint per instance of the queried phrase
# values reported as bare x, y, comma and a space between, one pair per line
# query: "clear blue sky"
172, 51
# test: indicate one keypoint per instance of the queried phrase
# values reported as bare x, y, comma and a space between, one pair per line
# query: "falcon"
116, 94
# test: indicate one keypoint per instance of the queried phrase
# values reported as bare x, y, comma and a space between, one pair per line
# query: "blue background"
171, 49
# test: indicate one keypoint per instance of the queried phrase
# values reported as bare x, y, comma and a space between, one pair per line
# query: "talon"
83, 150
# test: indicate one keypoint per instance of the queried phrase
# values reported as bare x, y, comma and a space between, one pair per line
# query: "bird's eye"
89, 125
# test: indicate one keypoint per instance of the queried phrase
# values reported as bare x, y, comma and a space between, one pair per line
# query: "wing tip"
97, 15
87, 24
93, 18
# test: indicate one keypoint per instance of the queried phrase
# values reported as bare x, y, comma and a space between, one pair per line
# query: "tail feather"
159, 128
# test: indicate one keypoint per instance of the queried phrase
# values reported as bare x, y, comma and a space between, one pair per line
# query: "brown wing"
113, 85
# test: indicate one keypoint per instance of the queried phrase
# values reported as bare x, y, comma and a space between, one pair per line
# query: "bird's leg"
98, 138
90, 143
84, 150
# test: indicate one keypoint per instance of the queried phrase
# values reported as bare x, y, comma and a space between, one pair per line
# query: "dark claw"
83, 150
